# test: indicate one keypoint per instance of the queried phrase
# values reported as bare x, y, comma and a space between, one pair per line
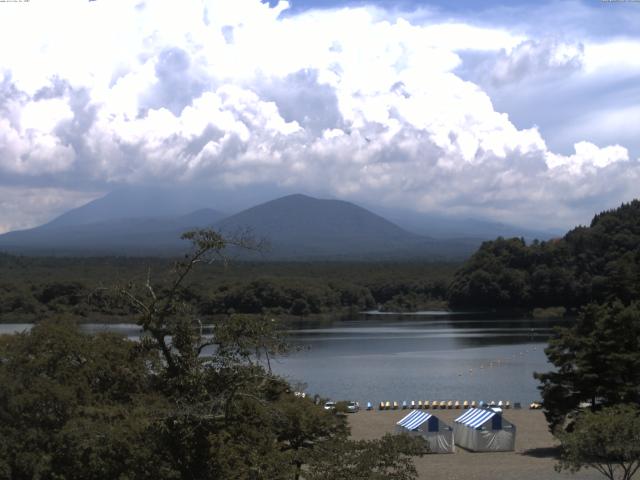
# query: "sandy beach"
533, 459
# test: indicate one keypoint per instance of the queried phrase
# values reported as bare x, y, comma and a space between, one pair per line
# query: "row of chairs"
450, 404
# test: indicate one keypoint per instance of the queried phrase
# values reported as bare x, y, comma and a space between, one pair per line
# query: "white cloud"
29, 146
534, 59
26, 207
612, 56
461, 36
343, 102
588, 155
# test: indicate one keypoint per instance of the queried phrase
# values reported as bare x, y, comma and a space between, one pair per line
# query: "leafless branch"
149, 287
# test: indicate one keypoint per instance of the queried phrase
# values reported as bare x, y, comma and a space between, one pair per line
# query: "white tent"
438, 434
484, 430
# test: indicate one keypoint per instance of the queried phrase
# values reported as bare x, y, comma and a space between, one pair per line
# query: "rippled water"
429, 356
426, 356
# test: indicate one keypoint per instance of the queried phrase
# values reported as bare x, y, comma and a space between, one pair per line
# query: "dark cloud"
210, 134
58, 88
301, 98
74, 132
227, 33
177, 83
9, 93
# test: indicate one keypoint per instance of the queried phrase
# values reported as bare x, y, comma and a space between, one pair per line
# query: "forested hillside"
595, 263
35, 288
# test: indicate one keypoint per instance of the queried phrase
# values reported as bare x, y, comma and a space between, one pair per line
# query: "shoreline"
534, 457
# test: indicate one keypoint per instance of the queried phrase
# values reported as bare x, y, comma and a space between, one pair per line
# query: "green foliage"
388, 458
598, 263
597, 361
294, 296
35, 288
175, 405
549, 312
68, 293
73, 404
306, 428
607, 441
401, 295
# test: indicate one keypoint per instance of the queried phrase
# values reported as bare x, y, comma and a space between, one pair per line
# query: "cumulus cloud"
30, 146
536, 58
588, 155
351, 102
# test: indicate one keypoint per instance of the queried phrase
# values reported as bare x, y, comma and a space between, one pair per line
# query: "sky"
522, 112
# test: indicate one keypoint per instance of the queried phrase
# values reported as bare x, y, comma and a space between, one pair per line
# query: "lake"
426, 356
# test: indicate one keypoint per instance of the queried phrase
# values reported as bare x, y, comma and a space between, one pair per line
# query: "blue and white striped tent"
484, 430
438, 435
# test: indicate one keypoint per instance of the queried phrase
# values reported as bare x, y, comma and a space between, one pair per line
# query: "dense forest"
36, 288
77, 406
589, 264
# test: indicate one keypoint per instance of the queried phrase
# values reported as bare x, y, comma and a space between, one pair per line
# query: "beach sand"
533, 459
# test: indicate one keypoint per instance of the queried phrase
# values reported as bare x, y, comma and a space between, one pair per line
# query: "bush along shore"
36, 288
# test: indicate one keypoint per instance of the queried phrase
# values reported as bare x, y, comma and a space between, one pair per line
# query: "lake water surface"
429, 356
426, 356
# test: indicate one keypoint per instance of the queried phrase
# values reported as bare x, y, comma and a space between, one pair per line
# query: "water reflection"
431, 356
466, 356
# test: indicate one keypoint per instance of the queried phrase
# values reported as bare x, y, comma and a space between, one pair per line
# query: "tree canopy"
175, 404
76, 405
35, 288
607, 441
597, 362
596, 263
384, 459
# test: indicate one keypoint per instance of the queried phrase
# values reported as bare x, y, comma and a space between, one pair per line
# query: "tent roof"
475, 417
414, 419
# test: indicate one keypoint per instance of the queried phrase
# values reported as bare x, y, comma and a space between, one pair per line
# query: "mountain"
139, 202
128, 221
299, 226
149, 221
122, 236
443, 227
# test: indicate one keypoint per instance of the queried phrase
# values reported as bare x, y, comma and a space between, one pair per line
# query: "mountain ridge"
298, 226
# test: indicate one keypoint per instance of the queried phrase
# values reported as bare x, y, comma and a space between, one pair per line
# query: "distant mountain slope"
299, 226
123, 236
139, 202
300, 217
442, 226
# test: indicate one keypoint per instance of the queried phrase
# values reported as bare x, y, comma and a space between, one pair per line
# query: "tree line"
32, 289
598, 263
